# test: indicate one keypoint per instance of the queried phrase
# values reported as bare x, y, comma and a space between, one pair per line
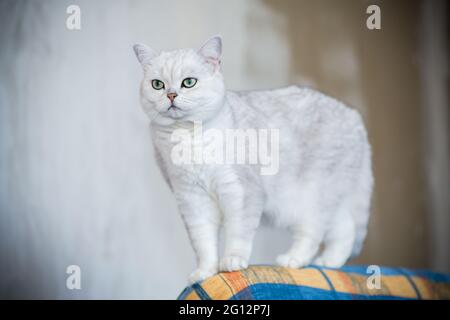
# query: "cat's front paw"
330, 261
289, 261
201, 274
233, 263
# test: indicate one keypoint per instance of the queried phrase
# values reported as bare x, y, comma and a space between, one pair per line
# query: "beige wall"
378, 73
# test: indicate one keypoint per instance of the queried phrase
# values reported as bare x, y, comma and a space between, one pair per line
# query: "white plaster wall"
78, 183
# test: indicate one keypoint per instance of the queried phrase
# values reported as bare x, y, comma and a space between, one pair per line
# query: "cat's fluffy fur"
321, 193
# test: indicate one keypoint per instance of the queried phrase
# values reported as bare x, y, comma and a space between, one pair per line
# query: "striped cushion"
349, 282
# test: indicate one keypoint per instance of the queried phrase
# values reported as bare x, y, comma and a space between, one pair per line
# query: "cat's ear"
212, 50
144, 53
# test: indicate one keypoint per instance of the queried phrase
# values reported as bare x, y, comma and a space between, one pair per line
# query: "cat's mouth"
174, 112
173, 107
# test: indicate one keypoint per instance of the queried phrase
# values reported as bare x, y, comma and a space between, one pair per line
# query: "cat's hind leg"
338, 244
300, 211
306, 244
238, 232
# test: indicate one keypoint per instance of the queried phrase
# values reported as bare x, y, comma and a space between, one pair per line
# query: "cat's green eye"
189, 82
157, 84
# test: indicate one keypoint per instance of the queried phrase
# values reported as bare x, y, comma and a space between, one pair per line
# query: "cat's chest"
206, 177
190, 171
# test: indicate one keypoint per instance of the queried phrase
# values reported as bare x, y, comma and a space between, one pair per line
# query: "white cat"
321, 192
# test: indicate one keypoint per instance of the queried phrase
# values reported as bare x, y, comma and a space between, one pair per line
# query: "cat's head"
181, 85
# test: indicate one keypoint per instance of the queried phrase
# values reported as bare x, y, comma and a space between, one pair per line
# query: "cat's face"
181, 85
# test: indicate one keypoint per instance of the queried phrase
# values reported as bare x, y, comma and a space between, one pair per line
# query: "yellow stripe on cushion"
353, 283
234, 280
224, 285
431, 290
398, 286
309, 277
424, 287
357, 284
265, 274
343, 282
192, 296
217, 288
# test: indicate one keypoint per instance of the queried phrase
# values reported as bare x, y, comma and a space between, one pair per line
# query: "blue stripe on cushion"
201, 292
281, 291
330, 284
184, 293
269, 291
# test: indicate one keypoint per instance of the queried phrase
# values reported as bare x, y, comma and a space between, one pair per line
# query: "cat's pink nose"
171, 96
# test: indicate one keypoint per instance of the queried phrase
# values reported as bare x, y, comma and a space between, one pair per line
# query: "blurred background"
78, 182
